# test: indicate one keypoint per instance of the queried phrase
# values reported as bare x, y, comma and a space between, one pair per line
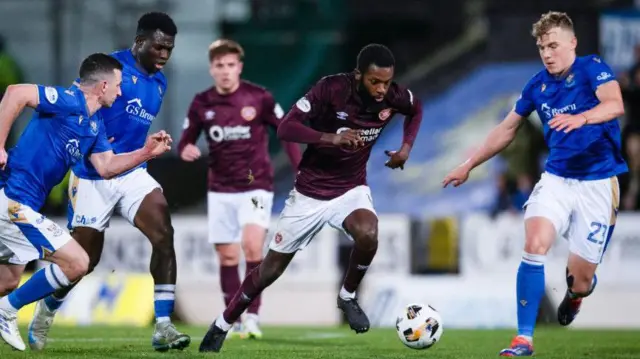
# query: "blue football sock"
40, 285
164, 299
530, 290
53, 303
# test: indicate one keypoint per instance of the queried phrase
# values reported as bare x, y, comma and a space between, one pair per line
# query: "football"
419, 326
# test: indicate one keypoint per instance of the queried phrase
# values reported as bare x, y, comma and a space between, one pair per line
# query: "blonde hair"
550, 20
224, 47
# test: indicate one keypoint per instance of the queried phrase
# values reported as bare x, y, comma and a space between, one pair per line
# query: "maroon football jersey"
333, 105
235, 126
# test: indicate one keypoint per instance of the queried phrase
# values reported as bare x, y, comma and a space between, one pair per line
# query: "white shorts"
303, 217
229, 212
25, 234
92, 202
584, 212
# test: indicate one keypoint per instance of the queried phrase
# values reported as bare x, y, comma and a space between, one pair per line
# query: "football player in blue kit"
66, 129
134, 194
578, 101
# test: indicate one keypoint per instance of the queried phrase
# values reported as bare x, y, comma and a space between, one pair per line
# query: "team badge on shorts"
278, 238
384, 114
248, 113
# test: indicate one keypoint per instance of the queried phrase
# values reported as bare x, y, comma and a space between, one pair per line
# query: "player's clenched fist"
458, 176
348, 138
158, 143
3, 158
190, 153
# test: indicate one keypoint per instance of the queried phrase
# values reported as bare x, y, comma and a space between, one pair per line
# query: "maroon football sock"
249, 290
359, 262
229, 282
254, 307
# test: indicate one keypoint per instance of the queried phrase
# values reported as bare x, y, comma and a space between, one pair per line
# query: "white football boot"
9, 330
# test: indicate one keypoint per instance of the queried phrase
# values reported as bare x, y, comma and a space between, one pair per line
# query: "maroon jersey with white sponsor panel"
235, 126
333, 105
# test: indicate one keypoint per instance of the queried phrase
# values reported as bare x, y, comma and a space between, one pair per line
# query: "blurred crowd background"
466, 60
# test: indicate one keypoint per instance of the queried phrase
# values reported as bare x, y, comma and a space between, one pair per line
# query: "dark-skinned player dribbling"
346, 113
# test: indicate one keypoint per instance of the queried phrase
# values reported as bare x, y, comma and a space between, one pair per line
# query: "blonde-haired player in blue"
578, 101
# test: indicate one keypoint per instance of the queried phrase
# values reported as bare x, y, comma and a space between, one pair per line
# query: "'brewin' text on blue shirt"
591, 152
129, 119
60, 134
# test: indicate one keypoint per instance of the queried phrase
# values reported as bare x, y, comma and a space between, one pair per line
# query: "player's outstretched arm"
15, 99
110, 165
497, 140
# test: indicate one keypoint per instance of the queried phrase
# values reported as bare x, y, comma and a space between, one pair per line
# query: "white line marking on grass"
306, 336
321, 336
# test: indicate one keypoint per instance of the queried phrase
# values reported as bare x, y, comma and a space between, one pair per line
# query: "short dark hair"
375, 54
97, 65
223, 47
153, 21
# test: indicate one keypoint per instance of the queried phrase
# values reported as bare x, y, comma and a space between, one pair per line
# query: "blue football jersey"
60, 134
591, 152
128, 121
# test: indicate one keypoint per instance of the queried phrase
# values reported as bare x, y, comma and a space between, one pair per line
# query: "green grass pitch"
332, 343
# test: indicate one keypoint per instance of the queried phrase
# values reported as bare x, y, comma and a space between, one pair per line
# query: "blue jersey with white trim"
60, 134
128, 121
591, 152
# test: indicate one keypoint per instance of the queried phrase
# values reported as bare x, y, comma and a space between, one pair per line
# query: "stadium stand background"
457, 57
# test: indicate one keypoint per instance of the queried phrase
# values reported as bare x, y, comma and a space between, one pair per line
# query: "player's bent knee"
162, 238
74, 261
78, 267
540, 235
366, 236
8, 285
228, 254
538, 242
252, 246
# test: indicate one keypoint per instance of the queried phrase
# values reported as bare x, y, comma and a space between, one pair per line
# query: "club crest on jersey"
303, 105
209, 115
94, 127
134, 79
248, 113
544, 87
342, 115
51, 94
160, 90
384, 114
570, 81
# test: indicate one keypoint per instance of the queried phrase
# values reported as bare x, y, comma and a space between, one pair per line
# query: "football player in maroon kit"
345, 114
235, 115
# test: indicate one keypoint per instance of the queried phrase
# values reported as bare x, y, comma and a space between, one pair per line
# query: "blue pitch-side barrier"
454, 124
